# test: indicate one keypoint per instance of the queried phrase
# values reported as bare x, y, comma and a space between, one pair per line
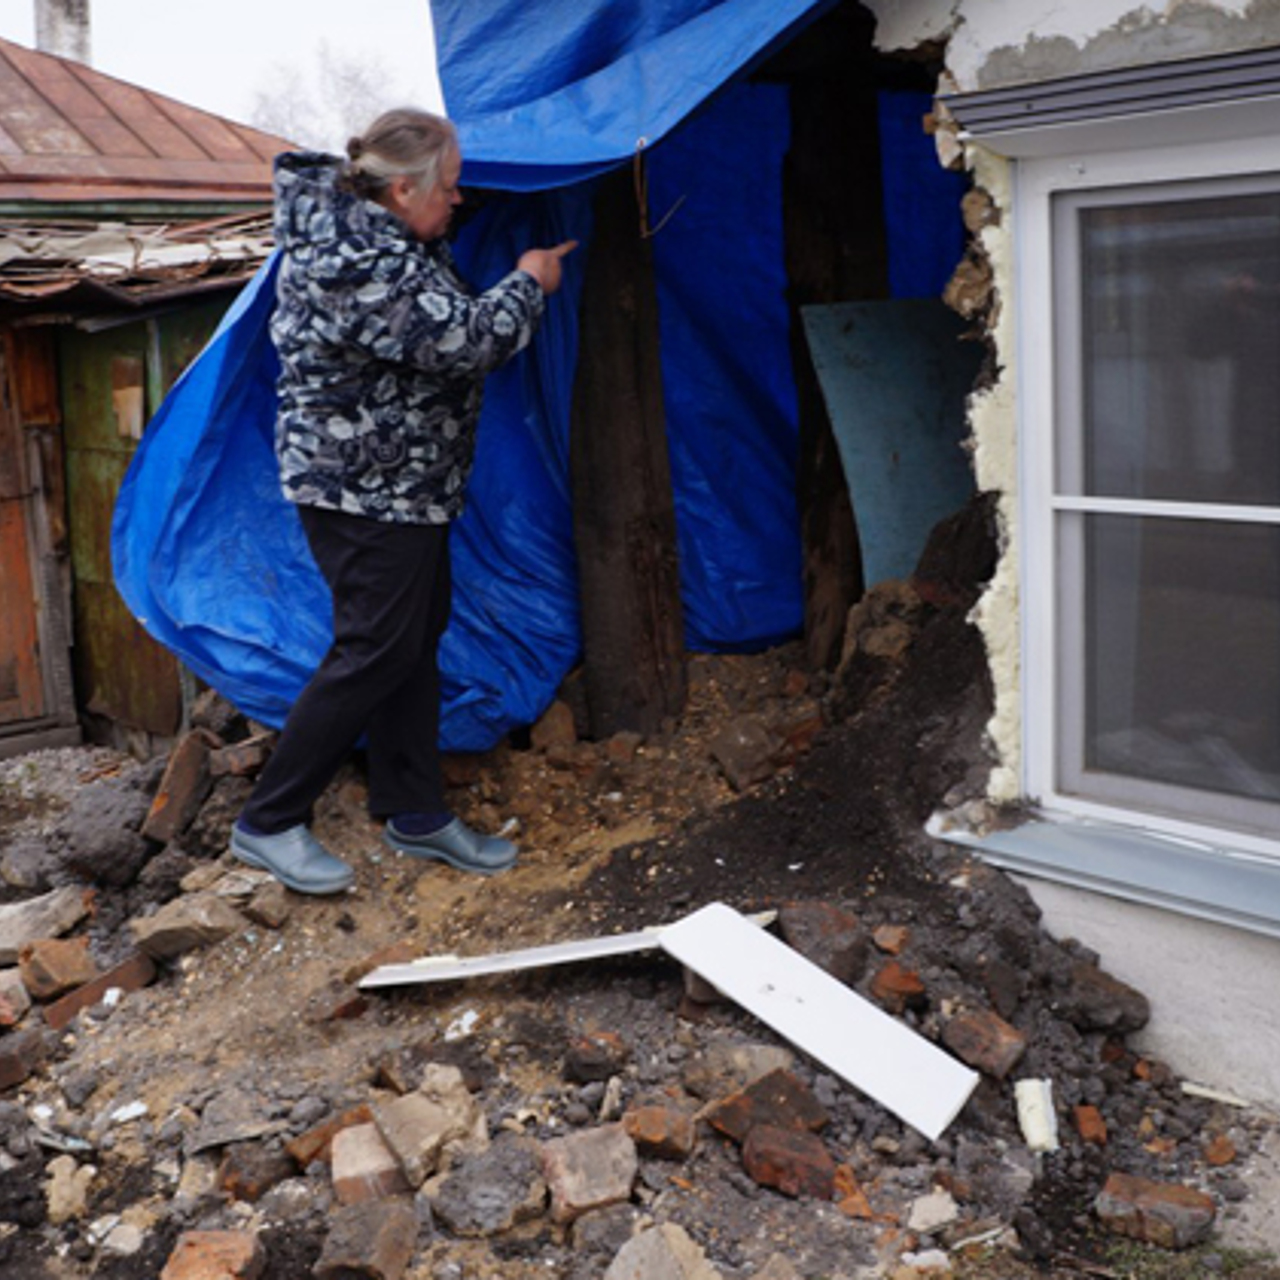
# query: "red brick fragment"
831, 938
241, 759
984, 1040
216, 1255
1167, 1215
249, 1170
1090, 1125
794, 1162
1219, 1150
664, 1132
132, 974
898, 988
20, 1053
849, 1196
778, 1099
364, 1167
15, 1000
337, 1002
183, 788
892, 939
596, 1055
315, 1143
50, 966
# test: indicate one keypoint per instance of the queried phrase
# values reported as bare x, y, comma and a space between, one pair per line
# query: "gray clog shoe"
296, 858
456, 844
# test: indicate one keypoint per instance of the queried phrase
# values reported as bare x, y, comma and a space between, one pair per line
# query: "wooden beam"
624, 510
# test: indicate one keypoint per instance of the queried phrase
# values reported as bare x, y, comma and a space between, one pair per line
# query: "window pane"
1182, 653
1180, 348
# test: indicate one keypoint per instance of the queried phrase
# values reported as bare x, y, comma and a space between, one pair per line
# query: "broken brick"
1219, 1150
375, 1239
216, 1255
892, 939
746, 751
831, 938
337, 1002
590, 1170
14, 998
620, 749
364, 1167
596, 1055
1095, 1001
985, 1041
315, 1143
898, 988
665, 1132
183, 789
1090, 1125
51, 966
795, 1162
132, 974
249, 1170
778, 1099
241, 759
849, 1196
20, 1053
1167, 1215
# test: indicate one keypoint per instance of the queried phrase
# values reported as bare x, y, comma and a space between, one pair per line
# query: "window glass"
1179, 333
1181, 649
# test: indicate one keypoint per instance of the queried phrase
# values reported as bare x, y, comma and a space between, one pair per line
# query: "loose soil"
614, 836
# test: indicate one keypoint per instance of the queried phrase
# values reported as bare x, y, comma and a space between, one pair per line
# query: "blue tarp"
212, 559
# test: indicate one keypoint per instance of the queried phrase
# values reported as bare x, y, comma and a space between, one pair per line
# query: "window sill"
1210, 882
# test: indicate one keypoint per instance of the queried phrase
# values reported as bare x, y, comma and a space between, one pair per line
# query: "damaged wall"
989, 45
994, 44
1182, 963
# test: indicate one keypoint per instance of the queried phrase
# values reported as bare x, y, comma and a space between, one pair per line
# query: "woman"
383, 351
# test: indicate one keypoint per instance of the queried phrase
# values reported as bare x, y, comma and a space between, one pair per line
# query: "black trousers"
391, 593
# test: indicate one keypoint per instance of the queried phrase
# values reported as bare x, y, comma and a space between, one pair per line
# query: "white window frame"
1129, 160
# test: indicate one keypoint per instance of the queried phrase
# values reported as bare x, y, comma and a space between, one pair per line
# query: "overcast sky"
221, 56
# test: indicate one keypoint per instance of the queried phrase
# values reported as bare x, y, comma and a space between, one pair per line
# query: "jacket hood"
311, 207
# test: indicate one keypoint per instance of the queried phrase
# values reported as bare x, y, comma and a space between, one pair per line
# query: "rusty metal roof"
71, 135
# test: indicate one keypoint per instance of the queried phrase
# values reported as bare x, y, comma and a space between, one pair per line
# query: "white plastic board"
451, 968
913, 1078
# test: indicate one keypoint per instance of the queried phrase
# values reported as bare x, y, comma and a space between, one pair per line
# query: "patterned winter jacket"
383, 349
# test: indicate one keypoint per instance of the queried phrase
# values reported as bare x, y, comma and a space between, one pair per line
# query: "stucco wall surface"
1212, 988
992, 43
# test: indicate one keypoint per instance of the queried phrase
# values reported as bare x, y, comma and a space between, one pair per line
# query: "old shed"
126, 219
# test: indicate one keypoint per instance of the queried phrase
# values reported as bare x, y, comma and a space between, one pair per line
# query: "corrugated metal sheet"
127, 263
71, 134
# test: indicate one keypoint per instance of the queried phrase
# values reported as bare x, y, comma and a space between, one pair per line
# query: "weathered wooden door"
21, 684
113, 380
37, 705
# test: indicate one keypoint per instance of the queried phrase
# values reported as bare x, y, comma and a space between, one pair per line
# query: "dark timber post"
624, 512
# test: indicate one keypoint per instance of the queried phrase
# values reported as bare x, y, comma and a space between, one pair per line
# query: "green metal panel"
112, 382
894, 375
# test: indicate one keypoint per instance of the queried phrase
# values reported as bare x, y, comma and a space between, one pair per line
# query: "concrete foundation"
1212, 988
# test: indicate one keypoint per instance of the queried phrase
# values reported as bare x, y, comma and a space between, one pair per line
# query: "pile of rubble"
194, 1082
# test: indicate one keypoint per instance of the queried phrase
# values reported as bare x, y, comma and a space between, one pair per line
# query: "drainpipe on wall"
62, 28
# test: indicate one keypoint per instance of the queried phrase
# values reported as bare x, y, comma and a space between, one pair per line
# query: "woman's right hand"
544, 264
